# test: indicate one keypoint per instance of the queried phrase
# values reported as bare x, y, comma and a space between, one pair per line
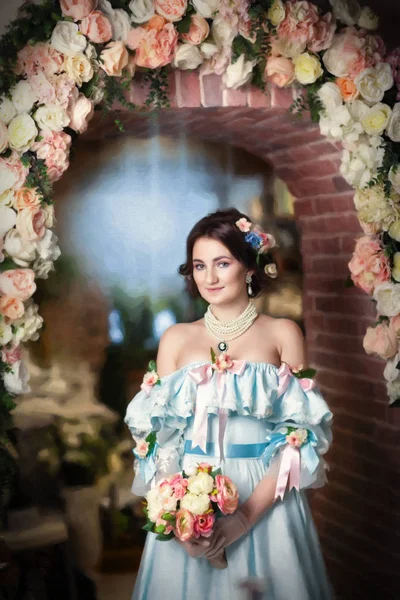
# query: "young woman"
263, 422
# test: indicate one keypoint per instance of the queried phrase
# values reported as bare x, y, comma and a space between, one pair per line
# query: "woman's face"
220, 278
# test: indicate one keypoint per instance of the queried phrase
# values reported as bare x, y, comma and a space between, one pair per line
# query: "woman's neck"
229, 312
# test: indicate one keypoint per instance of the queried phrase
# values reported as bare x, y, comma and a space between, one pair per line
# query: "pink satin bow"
285, 373
202, 376
289, 470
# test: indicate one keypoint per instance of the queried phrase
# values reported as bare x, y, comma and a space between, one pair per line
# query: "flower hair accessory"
259, 240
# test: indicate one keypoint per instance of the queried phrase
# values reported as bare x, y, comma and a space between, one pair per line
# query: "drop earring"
248, 281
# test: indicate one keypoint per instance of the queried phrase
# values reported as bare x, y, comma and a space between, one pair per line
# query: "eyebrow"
214, 259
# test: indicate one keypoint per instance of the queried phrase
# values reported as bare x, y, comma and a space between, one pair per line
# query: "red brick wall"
358, 511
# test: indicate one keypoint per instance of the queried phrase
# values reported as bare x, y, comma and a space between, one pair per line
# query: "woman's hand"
226, 531
197, 548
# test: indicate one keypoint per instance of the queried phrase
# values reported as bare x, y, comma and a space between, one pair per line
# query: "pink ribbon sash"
289, 470
202, 376
285, 373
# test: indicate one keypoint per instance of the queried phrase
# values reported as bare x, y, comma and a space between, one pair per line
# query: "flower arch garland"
61, 59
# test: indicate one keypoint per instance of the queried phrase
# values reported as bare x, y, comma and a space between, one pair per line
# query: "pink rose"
65, 90
38, 58
142, 448
323, 33
77, 9
26, 198
18, 283
381, 340
114, 58
203, 525
227, 497
198, 31
369, 266
30, 223
53, 148
171, 10
11, 355
204, 468
13, 162
184, 527
96, 27
43, 88
150, 378
179, 485
80, 113
279, 71
347, 54
166, 525
298, 24
12, 308
244, 225
223, 362
156, 47
293, 440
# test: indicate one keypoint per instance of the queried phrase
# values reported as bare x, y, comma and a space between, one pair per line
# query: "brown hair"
220, 226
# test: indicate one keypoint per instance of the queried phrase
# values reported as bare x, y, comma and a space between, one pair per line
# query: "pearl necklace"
230, 330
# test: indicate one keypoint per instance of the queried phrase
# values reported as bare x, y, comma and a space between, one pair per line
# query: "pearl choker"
230, 330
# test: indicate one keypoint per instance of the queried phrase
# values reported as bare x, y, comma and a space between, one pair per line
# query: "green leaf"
306, 373
168, 517
7, 265
148, 527
348, 283
183, 26
151, 438
159, 529
152, 366
165, 538
213, 355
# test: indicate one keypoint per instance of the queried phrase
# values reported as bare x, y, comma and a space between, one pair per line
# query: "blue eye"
197, 267
224, 263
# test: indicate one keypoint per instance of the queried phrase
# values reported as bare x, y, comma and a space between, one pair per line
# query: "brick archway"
363, 459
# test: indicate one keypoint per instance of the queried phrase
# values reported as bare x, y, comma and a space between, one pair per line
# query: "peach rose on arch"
18, 283
369, 266
348, 89
77, 9
279, 70
31, 223
26, 198
154, 48
114, 58
323, 33
198, 31
11, 308
171, 10
80, 114
381, 340
298, 24
97, 27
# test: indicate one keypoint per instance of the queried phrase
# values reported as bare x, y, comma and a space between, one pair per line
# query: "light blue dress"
283, 548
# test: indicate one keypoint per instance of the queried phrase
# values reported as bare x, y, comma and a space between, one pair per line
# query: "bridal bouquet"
186, 505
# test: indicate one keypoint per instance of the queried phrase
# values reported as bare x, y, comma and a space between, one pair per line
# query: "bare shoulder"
289, 340
171, 343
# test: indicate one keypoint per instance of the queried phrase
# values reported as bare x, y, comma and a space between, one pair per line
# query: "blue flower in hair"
254, 240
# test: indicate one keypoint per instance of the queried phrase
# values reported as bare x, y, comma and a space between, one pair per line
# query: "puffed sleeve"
158, 435
299, 434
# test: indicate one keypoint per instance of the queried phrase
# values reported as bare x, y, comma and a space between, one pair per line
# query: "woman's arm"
168, 349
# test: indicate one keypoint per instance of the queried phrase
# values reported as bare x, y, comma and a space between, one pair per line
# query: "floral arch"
61, 60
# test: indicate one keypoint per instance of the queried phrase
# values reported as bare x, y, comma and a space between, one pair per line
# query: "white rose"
67, 39
5, 333
3, 136
394, 231
238, 73
169, 504
391, 372
360, 163
376, 119
142, 10
42, 268
187, 56
206, 8
394, 177
8, 218
208, 49
202, 483
372, 83
276, 12
7, 199
222, 32
191, 470
22, 132
28, 325
7, 177
196, 504
7, 110
22, 252
48, 209
51, 116
387, 296
393, 389
330, 96
307, 68
346, 11
393, 128
47, 246
23, 96
289, 48
368, 19
154, 503
120, 24
16, 381
333, 124
78, 68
